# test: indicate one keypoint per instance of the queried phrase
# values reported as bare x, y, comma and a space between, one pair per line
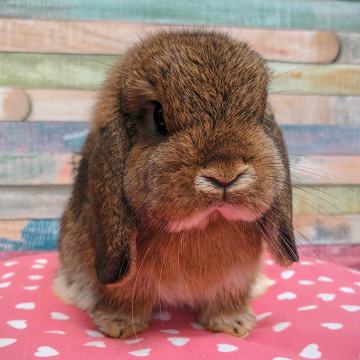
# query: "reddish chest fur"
187, 266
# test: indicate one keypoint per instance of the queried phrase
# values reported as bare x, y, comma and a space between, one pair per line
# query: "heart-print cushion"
312, 311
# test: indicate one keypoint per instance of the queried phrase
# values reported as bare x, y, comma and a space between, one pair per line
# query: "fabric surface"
312, 311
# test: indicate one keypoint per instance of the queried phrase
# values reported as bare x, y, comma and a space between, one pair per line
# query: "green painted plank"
67, 137
326, 199
88, 71
302, 14
24, 202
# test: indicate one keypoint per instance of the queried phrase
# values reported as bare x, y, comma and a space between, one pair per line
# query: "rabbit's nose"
220, 181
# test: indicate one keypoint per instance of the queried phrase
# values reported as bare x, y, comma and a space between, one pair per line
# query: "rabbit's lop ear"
111, 232
280, 237
277, 222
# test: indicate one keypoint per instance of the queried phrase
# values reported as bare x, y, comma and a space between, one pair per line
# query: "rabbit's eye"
159, 119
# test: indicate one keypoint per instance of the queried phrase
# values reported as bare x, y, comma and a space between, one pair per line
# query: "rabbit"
182, 185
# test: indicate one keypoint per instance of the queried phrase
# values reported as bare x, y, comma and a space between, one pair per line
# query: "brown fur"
116, 246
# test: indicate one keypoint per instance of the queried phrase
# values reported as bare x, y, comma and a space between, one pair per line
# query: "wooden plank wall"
54, 55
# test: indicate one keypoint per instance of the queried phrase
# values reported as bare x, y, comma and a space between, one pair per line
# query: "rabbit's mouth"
202, 219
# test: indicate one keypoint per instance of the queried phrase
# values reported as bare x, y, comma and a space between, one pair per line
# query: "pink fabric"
312, 311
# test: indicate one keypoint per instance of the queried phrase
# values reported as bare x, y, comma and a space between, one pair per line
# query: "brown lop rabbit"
184, 178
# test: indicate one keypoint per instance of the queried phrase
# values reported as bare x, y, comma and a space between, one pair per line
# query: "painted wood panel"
96, 37
305, 109
59, 169
32, 234
75, 105
350, 49
289, 14
68, 137
41, 234
88, 71
24, 202
15, 104
327, 229
54, 105
334, 79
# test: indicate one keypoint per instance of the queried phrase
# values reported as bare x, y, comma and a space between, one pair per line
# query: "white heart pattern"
133, 341
332, 326
17, 324
31, 288
99, 344
59, 316
287, 296
26, 306
357, 283
41, 261
351, 308
46, 351
307, 307
178, 341
5, 284
347, 290
263, 316
140, 353
311, 352
35, 277
162, 315
10, 263
37, 266
325, 279
326, 297
281, 326
6, 342
57, 332
226, 348
287, 274
306, 263
306, 282
8, 275
94, 333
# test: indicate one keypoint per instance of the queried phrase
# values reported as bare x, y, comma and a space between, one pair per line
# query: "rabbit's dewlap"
183, 180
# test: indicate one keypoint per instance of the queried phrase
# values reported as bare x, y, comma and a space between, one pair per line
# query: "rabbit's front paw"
237, 324
115, 325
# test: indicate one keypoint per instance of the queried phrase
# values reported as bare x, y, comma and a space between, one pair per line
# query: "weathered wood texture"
49, 69
96, 37
310, 109
15, 104
324, 229
88, 71
289, 14
23, 202
350, 49
75, 105
59, 169
48, 104
68, 137
309, 230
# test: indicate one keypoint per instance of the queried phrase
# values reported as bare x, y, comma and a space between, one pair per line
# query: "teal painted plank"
288, 14
36, 234
67, 137
88, 72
